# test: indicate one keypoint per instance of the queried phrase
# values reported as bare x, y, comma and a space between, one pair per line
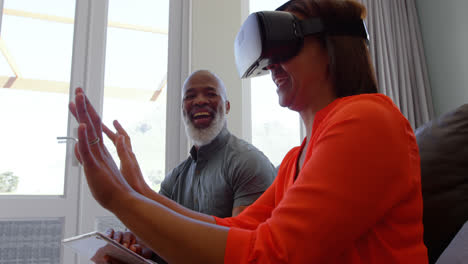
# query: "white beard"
203, 136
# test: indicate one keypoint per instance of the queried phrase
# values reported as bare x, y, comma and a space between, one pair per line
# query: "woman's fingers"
129, 166
120, 129
118, 236
135, 248
111, 135
86, 114
83, 117
87, 157
122, 150
95, 118
82, 101
77, 154
109, 233
128, 239
122, 132
72, 108
102, 174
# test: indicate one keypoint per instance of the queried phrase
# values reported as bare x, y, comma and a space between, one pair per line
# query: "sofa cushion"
443, 146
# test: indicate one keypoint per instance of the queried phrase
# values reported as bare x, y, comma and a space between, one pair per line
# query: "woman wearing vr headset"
351, 193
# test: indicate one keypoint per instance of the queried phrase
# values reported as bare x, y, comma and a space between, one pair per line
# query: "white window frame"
76, 207
178, 68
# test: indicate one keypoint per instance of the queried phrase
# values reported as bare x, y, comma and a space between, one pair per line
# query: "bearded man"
223, 174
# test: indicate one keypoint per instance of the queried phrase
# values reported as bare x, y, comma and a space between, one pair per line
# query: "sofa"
443, 146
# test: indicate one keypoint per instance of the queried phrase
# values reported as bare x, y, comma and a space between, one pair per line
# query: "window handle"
62, 140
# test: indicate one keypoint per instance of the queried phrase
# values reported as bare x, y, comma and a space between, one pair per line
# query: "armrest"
457, 250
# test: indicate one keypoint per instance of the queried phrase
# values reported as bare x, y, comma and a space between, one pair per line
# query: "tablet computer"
96, 245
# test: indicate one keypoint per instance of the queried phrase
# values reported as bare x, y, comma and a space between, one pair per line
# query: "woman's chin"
285, 101
282, 103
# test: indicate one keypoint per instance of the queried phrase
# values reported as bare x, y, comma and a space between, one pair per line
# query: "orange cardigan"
357, 198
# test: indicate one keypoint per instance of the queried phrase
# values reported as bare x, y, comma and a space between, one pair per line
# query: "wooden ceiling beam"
63, 87
68, 20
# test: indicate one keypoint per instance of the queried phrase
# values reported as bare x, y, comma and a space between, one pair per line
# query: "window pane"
35, 65
275, 130
135, 79
60, 8
262, 5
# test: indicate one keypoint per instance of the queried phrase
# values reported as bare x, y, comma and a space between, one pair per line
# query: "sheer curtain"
398, 56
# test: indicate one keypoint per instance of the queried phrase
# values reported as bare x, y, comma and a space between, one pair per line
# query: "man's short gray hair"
222, 88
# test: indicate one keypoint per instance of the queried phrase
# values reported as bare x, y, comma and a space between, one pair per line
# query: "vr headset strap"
311, 26
316, 25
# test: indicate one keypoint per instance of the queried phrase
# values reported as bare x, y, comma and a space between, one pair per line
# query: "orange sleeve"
360, 166
261, 209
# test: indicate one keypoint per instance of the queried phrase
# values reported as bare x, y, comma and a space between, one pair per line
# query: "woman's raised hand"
104, 178
128, 163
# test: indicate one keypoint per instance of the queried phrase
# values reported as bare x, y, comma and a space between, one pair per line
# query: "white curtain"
398, 56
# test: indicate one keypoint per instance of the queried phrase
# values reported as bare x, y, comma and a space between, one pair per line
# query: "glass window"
135, 79
275, 130
35, 60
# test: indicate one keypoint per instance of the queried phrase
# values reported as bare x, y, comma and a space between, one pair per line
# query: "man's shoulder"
183, 163
239, 146
239, 152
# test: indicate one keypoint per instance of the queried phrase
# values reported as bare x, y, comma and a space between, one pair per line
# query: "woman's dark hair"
350, 63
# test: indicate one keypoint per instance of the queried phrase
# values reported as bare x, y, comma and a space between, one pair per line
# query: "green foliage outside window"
8, 182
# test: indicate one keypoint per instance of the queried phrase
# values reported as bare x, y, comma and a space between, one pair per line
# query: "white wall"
444, 26
215, 24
